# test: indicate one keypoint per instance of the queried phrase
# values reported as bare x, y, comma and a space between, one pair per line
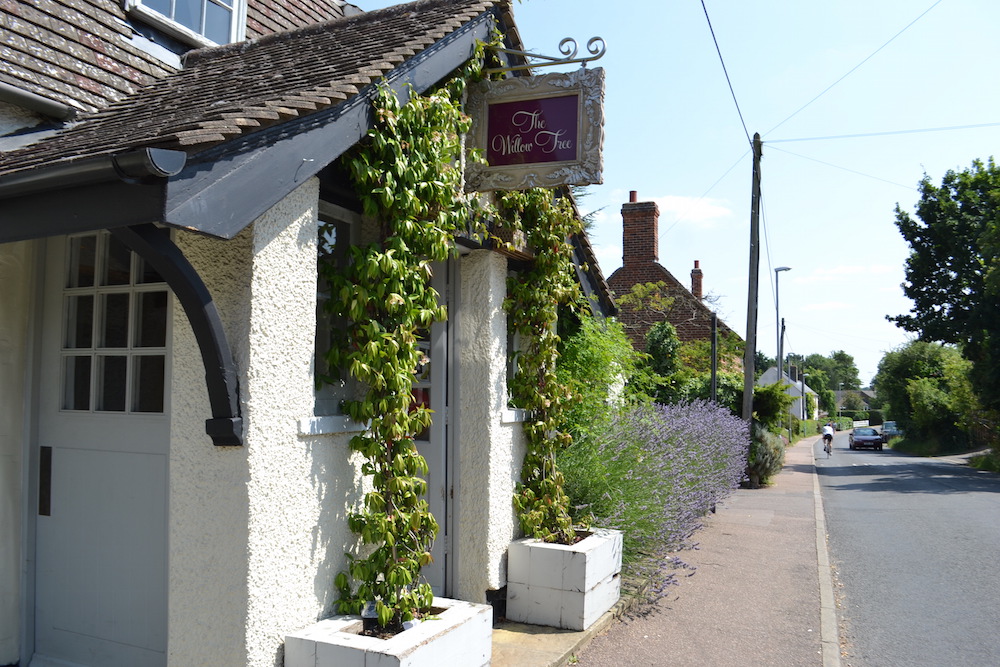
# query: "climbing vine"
535, 298
408, 175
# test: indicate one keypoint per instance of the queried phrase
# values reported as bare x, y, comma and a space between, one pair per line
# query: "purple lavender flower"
653, 472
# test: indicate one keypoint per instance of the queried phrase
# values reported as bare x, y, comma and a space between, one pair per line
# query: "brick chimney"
640, 221
696, 280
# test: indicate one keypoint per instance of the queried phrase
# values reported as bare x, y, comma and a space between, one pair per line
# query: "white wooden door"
432, 389
103, 437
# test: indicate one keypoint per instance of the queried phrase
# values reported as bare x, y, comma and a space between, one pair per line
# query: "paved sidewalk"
762, 593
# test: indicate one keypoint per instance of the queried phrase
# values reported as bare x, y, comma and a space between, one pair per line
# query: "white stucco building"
173, 487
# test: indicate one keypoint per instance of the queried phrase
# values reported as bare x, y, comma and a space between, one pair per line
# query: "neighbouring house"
806, 401
173, 487
640, 264
863, 397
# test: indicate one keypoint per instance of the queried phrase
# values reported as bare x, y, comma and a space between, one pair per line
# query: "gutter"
129, 167
35, 102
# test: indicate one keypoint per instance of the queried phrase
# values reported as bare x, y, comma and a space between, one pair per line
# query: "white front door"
432, 389
103, 437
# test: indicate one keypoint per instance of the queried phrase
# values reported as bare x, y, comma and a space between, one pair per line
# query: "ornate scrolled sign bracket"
567, 47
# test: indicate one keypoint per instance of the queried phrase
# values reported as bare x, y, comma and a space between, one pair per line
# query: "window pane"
117, 263
151, 320
218, 22
188, 14
162, 6
114, 329
111, 383
147, 384
79, 322
145, 273
76, 388
82, 261
333, 385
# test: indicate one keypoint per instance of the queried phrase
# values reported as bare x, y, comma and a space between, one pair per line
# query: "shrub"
767, 455
729, 389
770, 405
662, 345
653, 474
604, 372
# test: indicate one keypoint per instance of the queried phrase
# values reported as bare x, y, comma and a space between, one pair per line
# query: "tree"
839, 369
649, 302
953, 270
761, 362
927, 390
853, 401
770, 405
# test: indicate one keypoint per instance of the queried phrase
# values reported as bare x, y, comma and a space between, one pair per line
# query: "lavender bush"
653, 471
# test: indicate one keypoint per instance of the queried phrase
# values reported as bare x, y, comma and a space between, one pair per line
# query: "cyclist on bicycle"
827, 436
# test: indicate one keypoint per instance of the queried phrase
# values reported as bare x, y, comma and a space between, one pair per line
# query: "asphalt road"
916, 548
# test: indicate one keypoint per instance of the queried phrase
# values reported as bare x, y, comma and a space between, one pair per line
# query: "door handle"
45, 481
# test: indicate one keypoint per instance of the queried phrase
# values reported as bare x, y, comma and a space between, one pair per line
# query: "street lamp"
777, 321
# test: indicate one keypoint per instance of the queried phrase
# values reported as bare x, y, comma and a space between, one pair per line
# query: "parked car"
865, 436
889, 430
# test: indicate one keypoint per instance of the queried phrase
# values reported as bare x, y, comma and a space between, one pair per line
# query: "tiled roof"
77, 53
267, 16
81, 53
229, 91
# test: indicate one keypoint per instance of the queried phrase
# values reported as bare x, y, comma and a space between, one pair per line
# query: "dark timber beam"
154, 245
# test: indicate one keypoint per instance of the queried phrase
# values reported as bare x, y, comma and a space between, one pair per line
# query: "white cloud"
707, 213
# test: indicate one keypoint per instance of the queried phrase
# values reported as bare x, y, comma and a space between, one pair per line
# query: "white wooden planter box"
564, 586
462, 634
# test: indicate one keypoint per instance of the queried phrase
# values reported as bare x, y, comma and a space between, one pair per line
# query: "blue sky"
876, 76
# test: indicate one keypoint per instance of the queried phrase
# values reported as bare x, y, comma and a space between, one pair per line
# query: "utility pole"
751, 342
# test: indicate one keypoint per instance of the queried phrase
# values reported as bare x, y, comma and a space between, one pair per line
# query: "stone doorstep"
462, 635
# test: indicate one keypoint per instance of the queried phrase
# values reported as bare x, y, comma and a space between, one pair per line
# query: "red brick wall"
640, 222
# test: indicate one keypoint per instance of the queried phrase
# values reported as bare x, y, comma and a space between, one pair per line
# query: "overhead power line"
726, 72
851, 171
853, 69
886, 133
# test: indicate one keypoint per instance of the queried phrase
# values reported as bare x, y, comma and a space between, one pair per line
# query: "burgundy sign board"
533, 131
537, 131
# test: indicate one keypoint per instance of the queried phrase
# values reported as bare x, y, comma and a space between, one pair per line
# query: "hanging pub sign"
538, 131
